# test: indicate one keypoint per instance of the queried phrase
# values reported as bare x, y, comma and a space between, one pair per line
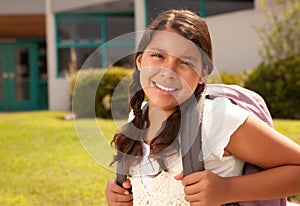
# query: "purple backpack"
245, 99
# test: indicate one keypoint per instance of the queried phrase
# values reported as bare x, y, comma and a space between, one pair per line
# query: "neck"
156, 117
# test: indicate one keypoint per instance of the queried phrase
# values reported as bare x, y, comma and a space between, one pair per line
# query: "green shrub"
94, 89
279, 84
279, 36
227, 78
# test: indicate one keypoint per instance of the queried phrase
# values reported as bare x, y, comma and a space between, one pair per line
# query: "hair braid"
128, 140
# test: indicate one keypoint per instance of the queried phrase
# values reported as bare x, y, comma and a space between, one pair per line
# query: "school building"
41, 39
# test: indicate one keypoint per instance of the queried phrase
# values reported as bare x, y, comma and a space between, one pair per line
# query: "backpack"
192, 145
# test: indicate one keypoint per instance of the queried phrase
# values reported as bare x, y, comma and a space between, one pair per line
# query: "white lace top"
221, 119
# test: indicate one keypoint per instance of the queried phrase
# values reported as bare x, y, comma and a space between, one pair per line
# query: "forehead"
173, 44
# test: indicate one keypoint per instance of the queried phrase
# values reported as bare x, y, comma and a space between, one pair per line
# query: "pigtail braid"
137, 97
127, 142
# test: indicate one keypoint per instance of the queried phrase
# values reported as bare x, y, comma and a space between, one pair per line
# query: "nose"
168, 70
167, 73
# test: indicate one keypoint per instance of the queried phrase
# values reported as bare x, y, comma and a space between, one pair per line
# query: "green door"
18, 76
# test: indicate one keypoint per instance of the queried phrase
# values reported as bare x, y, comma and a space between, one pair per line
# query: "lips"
164, 88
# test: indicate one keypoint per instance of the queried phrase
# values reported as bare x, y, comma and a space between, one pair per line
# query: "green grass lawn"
43, 162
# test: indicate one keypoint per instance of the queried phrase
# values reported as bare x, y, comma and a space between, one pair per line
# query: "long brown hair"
128, 141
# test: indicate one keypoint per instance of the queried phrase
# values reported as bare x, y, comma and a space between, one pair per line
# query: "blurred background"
44, 44
41, 41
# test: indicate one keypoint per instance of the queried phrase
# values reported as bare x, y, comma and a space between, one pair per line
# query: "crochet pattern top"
221, 119
165, 190
160, 195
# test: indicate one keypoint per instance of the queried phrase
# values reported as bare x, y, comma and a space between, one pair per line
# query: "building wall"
58, 89
235, 43
68, 5
59, 96
10, 7
235, 40
263, 4
22, 26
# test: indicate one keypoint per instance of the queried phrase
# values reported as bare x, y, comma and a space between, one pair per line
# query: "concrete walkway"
292, 204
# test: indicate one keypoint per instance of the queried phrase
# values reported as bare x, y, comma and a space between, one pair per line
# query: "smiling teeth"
167, 89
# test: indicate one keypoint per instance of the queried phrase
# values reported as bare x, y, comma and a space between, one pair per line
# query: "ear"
204, 75
138, 61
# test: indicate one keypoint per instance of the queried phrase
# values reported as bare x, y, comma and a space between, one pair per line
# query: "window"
214, 7
155, 7
73, 58
80, 35
79, 29
117, 25
202, 7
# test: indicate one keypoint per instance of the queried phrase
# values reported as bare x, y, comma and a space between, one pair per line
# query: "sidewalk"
292, 204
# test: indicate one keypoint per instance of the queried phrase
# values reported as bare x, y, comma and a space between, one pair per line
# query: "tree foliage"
278, 83
277, 78
280, 37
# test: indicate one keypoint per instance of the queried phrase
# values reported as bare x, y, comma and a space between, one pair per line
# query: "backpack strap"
191, 139
191, 142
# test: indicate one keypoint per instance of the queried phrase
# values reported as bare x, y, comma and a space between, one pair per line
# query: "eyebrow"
191, 58
156, 49
185, 57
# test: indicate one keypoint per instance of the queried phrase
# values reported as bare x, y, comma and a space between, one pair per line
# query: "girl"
173, 61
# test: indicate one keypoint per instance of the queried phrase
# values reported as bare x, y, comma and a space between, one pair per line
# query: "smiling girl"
173, 61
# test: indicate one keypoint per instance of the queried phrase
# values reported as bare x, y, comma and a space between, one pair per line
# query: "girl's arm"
257, 143
273, 183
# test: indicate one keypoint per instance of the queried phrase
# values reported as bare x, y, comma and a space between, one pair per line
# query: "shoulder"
222, 108
221, 118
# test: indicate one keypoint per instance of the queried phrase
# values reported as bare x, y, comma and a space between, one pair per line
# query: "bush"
227, 78
280, 35
95, 91
279, 84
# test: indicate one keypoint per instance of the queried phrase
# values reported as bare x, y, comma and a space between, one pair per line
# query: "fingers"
194, 188
180, 176
127, 184
194, 178
192, 198
204, 188
116, 195
112, 186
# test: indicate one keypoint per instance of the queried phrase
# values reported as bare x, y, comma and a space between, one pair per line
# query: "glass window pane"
118, 25
214, 7
64, 61
22, 74
42, 61
155, 7
72, 29
75, 58
1, 70
120, 56
43, 75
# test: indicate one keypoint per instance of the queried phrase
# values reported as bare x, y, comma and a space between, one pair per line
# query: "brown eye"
188, 64
157, 55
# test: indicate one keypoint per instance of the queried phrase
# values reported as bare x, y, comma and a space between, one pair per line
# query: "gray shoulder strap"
191, 143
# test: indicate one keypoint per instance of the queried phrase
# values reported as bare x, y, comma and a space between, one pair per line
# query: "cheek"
146, 74
191, 80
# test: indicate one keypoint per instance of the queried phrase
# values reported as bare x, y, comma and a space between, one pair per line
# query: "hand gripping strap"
191, 140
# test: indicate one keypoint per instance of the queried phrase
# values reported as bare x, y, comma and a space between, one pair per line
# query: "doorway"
19, 81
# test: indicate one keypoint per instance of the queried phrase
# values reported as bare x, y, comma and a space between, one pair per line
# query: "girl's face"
170, 70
